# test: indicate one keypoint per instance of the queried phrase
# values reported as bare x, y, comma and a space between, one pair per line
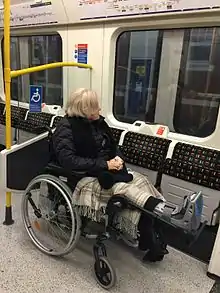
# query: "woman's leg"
146, 232
151, 238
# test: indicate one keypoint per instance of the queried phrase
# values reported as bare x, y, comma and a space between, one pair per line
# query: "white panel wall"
81, 77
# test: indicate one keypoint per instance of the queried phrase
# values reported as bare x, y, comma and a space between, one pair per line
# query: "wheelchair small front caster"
104, 273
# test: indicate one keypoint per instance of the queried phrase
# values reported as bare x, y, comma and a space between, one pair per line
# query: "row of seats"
22, 119
190, 168
28, 123
195, 164
189, 162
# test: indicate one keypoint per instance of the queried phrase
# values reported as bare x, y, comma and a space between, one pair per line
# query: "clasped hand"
115, 164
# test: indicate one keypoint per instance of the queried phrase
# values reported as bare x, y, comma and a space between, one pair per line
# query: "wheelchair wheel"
104, 273
49, 216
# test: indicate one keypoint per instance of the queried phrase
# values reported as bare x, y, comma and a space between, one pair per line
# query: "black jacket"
76, 148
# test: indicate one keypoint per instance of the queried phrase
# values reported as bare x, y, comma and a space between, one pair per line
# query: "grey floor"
25, 269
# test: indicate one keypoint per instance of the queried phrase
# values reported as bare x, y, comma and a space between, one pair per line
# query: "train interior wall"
141, 145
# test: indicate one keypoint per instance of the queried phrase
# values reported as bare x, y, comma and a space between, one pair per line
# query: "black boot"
158, 248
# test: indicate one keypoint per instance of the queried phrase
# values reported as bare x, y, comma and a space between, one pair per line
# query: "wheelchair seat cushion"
92, 200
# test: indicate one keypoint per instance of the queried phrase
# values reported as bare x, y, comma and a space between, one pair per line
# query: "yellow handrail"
7, 77
19, 72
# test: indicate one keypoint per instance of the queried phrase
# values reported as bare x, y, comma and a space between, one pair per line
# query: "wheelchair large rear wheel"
49, 216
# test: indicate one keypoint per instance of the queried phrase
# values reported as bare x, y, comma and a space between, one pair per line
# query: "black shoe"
153, 256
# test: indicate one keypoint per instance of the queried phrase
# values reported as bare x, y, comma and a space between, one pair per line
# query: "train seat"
33, 125
116, 134
28, 124
193, 168
145, 153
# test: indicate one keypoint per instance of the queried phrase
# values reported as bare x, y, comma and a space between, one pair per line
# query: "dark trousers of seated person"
151, 237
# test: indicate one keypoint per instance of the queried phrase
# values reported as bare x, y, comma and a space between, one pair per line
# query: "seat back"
197, 155
116, 132
145, 154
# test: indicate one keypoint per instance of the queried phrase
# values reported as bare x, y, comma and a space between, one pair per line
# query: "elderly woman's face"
95, 114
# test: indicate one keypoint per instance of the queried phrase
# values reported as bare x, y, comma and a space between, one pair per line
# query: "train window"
198, 95
136, 75
169, 77
31, 51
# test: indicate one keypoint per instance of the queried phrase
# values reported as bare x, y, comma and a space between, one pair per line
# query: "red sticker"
160, 130
82, 46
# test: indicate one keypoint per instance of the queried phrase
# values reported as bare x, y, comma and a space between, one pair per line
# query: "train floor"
25, 269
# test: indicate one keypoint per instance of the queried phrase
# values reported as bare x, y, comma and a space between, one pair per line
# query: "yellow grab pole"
7, 78
19, 72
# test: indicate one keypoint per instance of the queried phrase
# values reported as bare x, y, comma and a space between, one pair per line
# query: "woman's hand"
119, 159
115, 164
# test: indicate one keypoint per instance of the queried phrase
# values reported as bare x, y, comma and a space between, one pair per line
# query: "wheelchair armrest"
54, 168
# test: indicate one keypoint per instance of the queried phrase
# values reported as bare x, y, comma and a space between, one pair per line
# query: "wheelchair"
54, 213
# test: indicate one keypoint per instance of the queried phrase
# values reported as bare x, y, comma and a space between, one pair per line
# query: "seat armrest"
41, 129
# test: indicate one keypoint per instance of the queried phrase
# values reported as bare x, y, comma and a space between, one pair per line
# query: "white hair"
83, 102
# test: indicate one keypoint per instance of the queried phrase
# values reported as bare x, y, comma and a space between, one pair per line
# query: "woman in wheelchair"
86, 180
83, 142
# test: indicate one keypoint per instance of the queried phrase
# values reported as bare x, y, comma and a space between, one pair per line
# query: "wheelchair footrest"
194, 235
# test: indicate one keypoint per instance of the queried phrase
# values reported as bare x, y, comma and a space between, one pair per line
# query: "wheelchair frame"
54, 175
58, 177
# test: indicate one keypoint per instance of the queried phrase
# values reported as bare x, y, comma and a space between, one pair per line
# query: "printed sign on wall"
35, 99
107, 8
81, 53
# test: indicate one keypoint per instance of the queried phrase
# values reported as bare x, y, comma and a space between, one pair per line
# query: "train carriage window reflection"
136, 75
31, 51
198, 97
169, 77
16, 91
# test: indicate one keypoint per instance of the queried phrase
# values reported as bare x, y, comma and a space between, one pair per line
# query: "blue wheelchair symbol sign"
35, 100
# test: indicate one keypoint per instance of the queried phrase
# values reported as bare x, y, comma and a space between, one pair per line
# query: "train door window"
31, 51
198, 96
136, 75
169, 77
